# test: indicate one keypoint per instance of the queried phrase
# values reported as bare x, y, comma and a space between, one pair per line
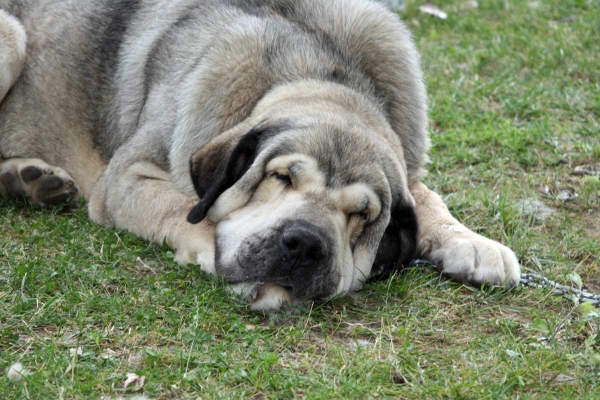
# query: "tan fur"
146, 130
459, 252
13, 46
156, 211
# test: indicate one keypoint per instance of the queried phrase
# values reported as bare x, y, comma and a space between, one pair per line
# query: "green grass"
515, 106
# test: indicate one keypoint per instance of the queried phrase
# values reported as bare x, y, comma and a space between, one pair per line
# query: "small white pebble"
16, 372
78, 351
433, 11
108, 354
360, 343
137, 381
471, 4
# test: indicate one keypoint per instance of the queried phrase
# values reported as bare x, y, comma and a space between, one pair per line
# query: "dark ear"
398, 246
216, 169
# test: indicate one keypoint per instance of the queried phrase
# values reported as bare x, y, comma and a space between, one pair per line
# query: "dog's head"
305, 207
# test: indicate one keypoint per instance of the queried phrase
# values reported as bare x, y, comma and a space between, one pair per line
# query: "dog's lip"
262, 288
283, 283
274, 284
260, 284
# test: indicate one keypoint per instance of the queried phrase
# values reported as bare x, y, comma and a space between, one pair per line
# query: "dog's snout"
299, 259
303, 244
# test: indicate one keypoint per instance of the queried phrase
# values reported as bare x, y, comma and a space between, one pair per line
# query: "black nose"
303, 244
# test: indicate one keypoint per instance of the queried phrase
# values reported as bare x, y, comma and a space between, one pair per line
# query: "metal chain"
540, 282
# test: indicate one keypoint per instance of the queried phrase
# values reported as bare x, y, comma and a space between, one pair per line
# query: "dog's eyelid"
364, 215
360, 204
284, 177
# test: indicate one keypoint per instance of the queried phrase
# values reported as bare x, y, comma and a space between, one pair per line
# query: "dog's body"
301, 125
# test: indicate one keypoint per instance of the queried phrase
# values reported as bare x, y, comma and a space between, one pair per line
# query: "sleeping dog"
278, 144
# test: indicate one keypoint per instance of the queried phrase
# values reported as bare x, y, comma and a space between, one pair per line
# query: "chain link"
540, 282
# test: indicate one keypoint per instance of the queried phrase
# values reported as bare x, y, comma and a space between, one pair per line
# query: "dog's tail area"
13, 50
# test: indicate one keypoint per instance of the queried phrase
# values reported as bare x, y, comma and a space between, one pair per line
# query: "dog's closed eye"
286, 180
361, 215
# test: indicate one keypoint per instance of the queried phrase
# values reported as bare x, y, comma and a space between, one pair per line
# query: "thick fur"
13, 44
261, 122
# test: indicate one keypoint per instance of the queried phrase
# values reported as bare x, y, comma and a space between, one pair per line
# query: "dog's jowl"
278, 144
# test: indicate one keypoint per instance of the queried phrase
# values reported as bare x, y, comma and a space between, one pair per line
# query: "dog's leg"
13, 44
36, 181
26, 178
141, 198
457, 251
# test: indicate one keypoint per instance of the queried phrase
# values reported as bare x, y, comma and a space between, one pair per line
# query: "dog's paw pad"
31, 173
53, 190
36, 181
11, 186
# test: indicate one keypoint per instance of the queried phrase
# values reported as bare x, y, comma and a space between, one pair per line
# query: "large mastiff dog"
278, 144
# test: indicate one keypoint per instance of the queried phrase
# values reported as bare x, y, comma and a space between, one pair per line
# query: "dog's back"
98, 71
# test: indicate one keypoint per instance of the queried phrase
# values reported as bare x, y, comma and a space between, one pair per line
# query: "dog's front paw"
471, 258
201, 256
197, 246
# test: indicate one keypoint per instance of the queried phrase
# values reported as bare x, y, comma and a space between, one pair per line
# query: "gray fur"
125, 95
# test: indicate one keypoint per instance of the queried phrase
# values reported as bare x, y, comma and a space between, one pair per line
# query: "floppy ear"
399, 243
215, 169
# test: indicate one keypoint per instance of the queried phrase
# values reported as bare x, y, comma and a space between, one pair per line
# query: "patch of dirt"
46, 331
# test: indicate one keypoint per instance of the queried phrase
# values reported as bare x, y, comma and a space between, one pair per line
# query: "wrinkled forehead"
344, 155
339, 156
309, 176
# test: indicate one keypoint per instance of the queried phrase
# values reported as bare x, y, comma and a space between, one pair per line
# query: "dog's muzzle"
304, 259
298, 256
303, 247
